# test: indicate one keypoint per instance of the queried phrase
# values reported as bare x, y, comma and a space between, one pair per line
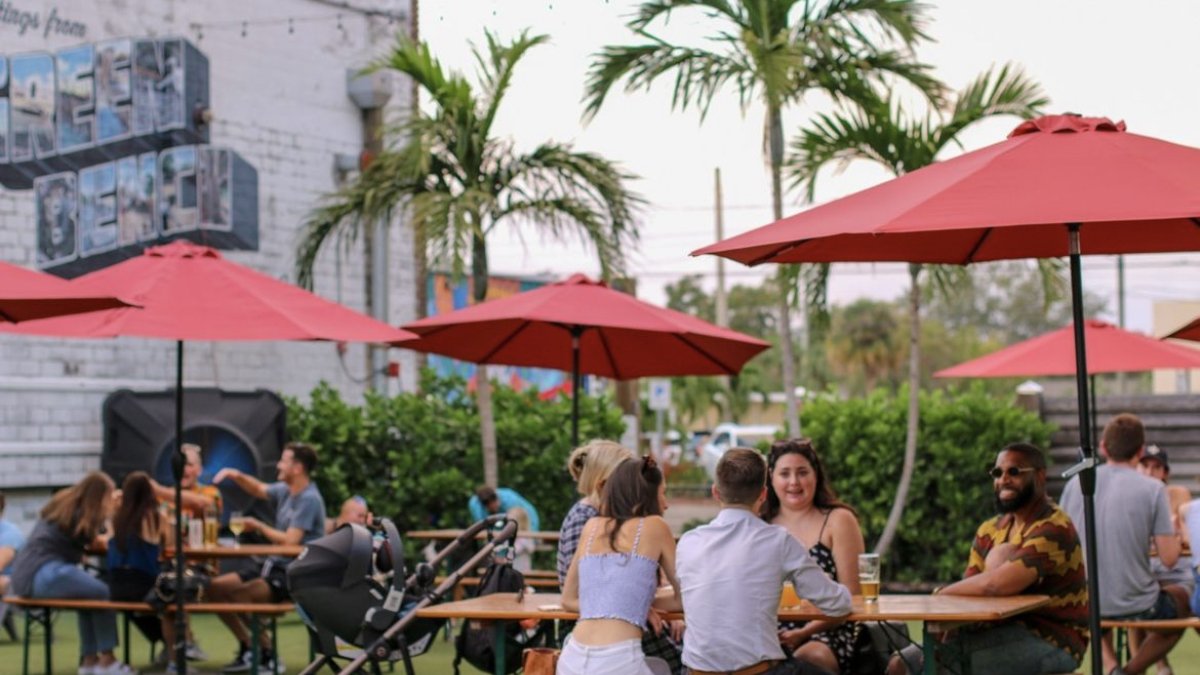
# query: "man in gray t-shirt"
299, 518
1131, 512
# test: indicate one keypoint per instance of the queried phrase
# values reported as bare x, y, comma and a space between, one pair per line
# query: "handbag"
539, 661
166, 586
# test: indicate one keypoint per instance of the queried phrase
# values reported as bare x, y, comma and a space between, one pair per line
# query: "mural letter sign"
112, 138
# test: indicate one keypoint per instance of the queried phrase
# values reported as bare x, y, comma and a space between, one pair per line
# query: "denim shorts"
1163, 608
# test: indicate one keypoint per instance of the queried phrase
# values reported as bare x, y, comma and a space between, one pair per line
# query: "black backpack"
475, 643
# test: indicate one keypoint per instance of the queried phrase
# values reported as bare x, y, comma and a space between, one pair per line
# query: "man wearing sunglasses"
1132, 511
1030, 547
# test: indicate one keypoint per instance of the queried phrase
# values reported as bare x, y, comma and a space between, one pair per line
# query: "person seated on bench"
133, 555
354, 510
1031, 547
197, 498
299, 518
1132, 511
1156, 464
487, 501
11, 541
48, 567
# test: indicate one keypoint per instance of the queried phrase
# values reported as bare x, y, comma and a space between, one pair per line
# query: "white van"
729, 435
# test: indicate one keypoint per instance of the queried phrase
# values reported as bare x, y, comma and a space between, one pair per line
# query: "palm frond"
497, 71
698, 74
1006, 92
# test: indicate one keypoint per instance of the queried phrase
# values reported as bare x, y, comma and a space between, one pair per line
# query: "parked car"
726, 436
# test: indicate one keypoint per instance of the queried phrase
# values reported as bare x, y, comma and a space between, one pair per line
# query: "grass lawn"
293, 642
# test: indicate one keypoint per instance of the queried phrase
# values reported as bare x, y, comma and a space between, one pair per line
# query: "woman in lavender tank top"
613, 577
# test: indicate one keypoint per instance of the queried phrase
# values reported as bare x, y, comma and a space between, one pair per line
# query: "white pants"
618, 658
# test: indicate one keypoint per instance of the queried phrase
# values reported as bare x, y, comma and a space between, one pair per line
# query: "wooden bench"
1122, 626
38, 611
461, 586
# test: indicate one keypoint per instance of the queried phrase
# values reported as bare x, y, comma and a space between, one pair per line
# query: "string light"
292, 26
243, 25
243, 29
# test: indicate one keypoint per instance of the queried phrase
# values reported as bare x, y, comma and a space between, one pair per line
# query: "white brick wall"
279, 100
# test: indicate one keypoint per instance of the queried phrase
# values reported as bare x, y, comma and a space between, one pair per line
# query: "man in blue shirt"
11, 541
487, 501
299, 518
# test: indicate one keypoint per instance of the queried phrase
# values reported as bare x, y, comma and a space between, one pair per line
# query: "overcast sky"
1135, 62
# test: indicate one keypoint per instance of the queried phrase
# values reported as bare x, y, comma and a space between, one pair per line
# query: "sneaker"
114, 668
271, 665
195, 653
240, 663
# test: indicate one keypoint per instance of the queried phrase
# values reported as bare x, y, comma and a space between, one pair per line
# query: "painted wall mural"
112, 139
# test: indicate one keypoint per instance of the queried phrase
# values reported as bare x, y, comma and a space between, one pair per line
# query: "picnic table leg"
498, 646
125, 625
255, 647
25, 654
929, 647
49, 635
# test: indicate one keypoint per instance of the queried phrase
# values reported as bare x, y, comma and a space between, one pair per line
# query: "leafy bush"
416, 457
861, 442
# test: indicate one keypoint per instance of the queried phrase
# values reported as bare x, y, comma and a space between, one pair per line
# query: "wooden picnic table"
936, 612
242, 551
448, 535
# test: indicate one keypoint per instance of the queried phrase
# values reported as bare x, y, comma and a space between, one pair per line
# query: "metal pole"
722, 304
177, 462
576, 331
1087, 477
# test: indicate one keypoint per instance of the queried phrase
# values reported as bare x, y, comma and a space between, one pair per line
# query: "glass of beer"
788, 597
868, 576
212, 524
237, 524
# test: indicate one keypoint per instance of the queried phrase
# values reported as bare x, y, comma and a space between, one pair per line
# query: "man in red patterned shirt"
1031, 547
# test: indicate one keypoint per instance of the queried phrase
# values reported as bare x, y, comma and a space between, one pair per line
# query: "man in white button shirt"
731, 573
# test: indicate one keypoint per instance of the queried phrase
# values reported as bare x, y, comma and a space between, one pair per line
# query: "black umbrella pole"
574, 389
1087, 477
177, 463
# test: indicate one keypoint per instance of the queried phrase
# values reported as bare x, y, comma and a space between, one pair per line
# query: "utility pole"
722, 304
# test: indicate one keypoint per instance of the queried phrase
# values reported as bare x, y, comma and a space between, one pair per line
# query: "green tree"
462, 182
771, 52
864, 345
884, 133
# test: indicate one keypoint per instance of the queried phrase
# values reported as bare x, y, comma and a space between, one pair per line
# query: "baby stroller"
352, 592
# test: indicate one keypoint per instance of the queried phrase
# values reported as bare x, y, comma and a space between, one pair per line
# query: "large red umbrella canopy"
1130, 193
583, 326
26, 295
1059, 185
190, 292
1109, 350
620, 336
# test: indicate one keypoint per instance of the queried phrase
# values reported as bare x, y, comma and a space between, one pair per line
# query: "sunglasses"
1012, 471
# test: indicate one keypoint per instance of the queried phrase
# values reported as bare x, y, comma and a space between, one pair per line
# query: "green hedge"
416, 457
862, 444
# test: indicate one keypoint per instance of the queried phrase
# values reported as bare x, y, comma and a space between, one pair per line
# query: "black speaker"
244, 430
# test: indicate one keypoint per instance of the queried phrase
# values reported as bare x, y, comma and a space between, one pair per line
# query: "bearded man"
1030, 547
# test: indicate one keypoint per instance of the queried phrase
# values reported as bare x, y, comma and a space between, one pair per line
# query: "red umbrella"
1060, 185
189, 292
26, 295
1110, 350
583, 326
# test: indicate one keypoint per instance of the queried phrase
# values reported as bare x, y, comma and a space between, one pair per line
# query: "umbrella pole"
1095, 426
576, 331
1086, 468
177, 462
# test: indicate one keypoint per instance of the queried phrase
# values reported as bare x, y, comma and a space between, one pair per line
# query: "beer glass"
868, 576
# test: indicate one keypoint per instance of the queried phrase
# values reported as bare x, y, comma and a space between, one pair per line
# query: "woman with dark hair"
613, 577
133, 553
48, 567
800, 500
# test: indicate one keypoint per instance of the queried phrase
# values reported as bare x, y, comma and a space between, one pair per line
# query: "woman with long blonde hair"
48, 567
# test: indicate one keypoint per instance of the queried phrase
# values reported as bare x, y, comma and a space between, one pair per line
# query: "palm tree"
882, 132
772, 52
462, 183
